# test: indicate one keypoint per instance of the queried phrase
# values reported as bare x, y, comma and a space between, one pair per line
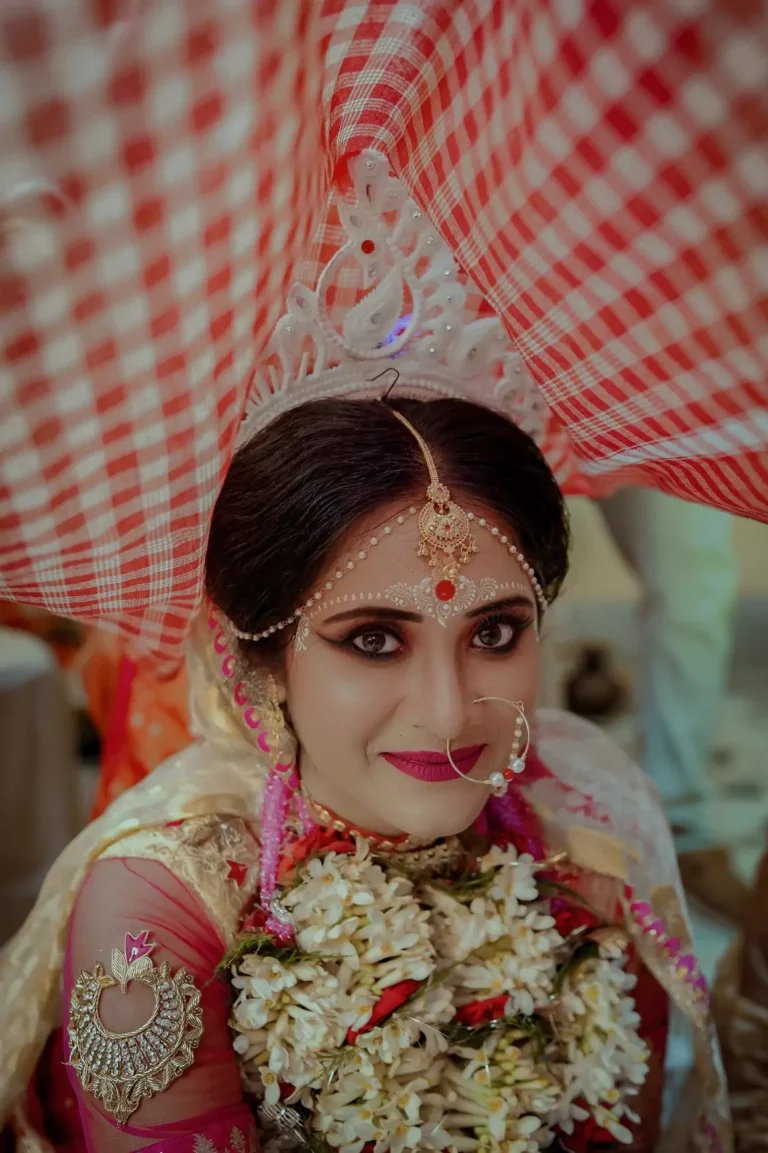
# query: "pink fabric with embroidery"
202, 1111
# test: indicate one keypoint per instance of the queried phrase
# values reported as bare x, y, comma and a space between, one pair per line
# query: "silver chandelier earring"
499, 781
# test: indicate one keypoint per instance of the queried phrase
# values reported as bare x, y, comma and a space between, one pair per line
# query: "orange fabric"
141, 716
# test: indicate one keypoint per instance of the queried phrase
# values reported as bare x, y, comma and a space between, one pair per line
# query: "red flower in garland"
569, 913
321, 841
570, 917
391, 999
481, 1012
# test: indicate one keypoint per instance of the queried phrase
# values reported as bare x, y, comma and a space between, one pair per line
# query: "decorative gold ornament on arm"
121, 1069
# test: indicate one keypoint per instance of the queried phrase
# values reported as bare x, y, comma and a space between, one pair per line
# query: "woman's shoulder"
215, 856
198, 779
197, 814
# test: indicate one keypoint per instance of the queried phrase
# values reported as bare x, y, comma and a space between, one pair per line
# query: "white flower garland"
421, 1078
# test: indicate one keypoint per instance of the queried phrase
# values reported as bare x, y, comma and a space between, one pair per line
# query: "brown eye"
376, 643
494, 635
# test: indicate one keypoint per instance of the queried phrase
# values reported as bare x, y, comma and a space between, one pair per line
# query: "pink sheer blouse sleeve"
135, 912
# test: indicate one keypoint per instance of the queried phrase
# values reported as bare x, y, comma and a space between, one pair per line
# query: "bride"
382, 902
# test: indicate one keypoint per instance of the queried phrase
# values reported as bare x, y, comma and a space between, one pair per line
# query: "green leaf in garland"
261, 943
584, 951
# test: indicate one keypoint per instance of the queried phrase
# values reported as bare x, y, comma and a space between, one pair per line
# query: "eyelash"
518, 621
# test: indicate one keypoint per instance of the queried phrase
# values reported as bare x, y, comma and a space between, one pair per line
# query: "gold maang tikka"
445, 538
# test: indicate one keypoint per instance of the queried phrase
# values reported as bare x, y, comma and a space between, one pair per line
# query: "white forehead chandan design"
420, 596
310, 607
424, 598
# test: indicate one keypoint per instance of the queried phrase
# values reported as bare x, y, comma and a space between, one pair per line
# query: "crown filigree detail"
390, 296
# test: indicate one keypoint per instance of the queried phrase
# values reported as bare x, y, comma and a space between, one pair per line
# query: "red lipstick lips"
434, 767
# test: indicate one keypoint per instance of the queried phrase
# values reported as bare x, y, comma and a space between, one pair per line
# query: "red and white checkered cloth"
599, 169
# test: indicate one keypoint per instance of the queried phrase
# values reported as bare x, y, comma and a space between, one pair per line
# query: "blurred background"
604, 613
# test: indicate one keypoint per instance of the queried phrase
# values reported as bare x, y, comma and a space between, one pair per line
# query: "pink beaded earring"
259, 706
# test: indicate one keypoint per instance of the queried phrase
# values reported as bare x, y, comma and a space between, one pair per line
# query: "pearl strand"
513, 551
362, 555
318, 595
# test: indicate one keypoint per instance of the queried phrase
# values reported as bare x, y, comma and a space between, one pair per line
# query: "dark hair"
293, 492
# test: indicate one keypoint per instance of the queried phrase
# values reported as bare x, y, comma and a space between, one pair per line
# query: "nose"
439, 700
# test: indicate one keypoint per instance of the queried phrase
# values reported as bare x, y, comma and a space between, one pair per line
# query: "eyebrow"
382, 613
518, 601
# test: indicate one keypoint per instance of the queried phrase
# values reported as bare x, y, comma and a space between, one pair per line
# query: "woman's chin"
429, 822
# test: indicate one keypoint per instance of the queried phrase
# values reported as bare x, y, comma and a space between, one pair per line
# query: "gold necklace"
402, 843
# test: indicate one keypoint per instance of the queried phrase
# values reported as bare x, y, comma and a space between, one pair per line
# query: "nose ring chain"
499, 781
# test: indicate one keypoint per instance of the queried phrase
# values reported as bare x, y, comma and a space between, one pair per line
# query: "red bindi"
445, 590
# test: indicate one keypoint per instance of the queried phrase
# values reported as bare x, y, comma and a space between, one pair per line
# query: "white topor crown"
389, 298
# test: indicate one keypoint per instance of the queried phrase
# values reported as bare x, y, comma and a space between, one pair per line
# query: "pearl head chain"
351, 565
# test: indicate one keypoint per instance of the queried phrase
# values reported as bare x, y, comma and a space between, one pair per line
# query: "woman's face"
380, 685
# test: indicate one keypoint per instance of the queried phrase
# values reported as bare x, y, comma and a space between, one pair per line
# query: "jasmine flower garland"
434, 1012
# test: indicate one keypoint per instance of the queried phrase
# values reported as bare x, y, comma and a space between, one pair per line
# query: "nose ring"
499, 782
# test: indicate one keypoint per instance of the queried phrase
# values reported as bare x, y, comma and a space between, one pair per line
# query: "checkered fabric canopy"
598, 168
